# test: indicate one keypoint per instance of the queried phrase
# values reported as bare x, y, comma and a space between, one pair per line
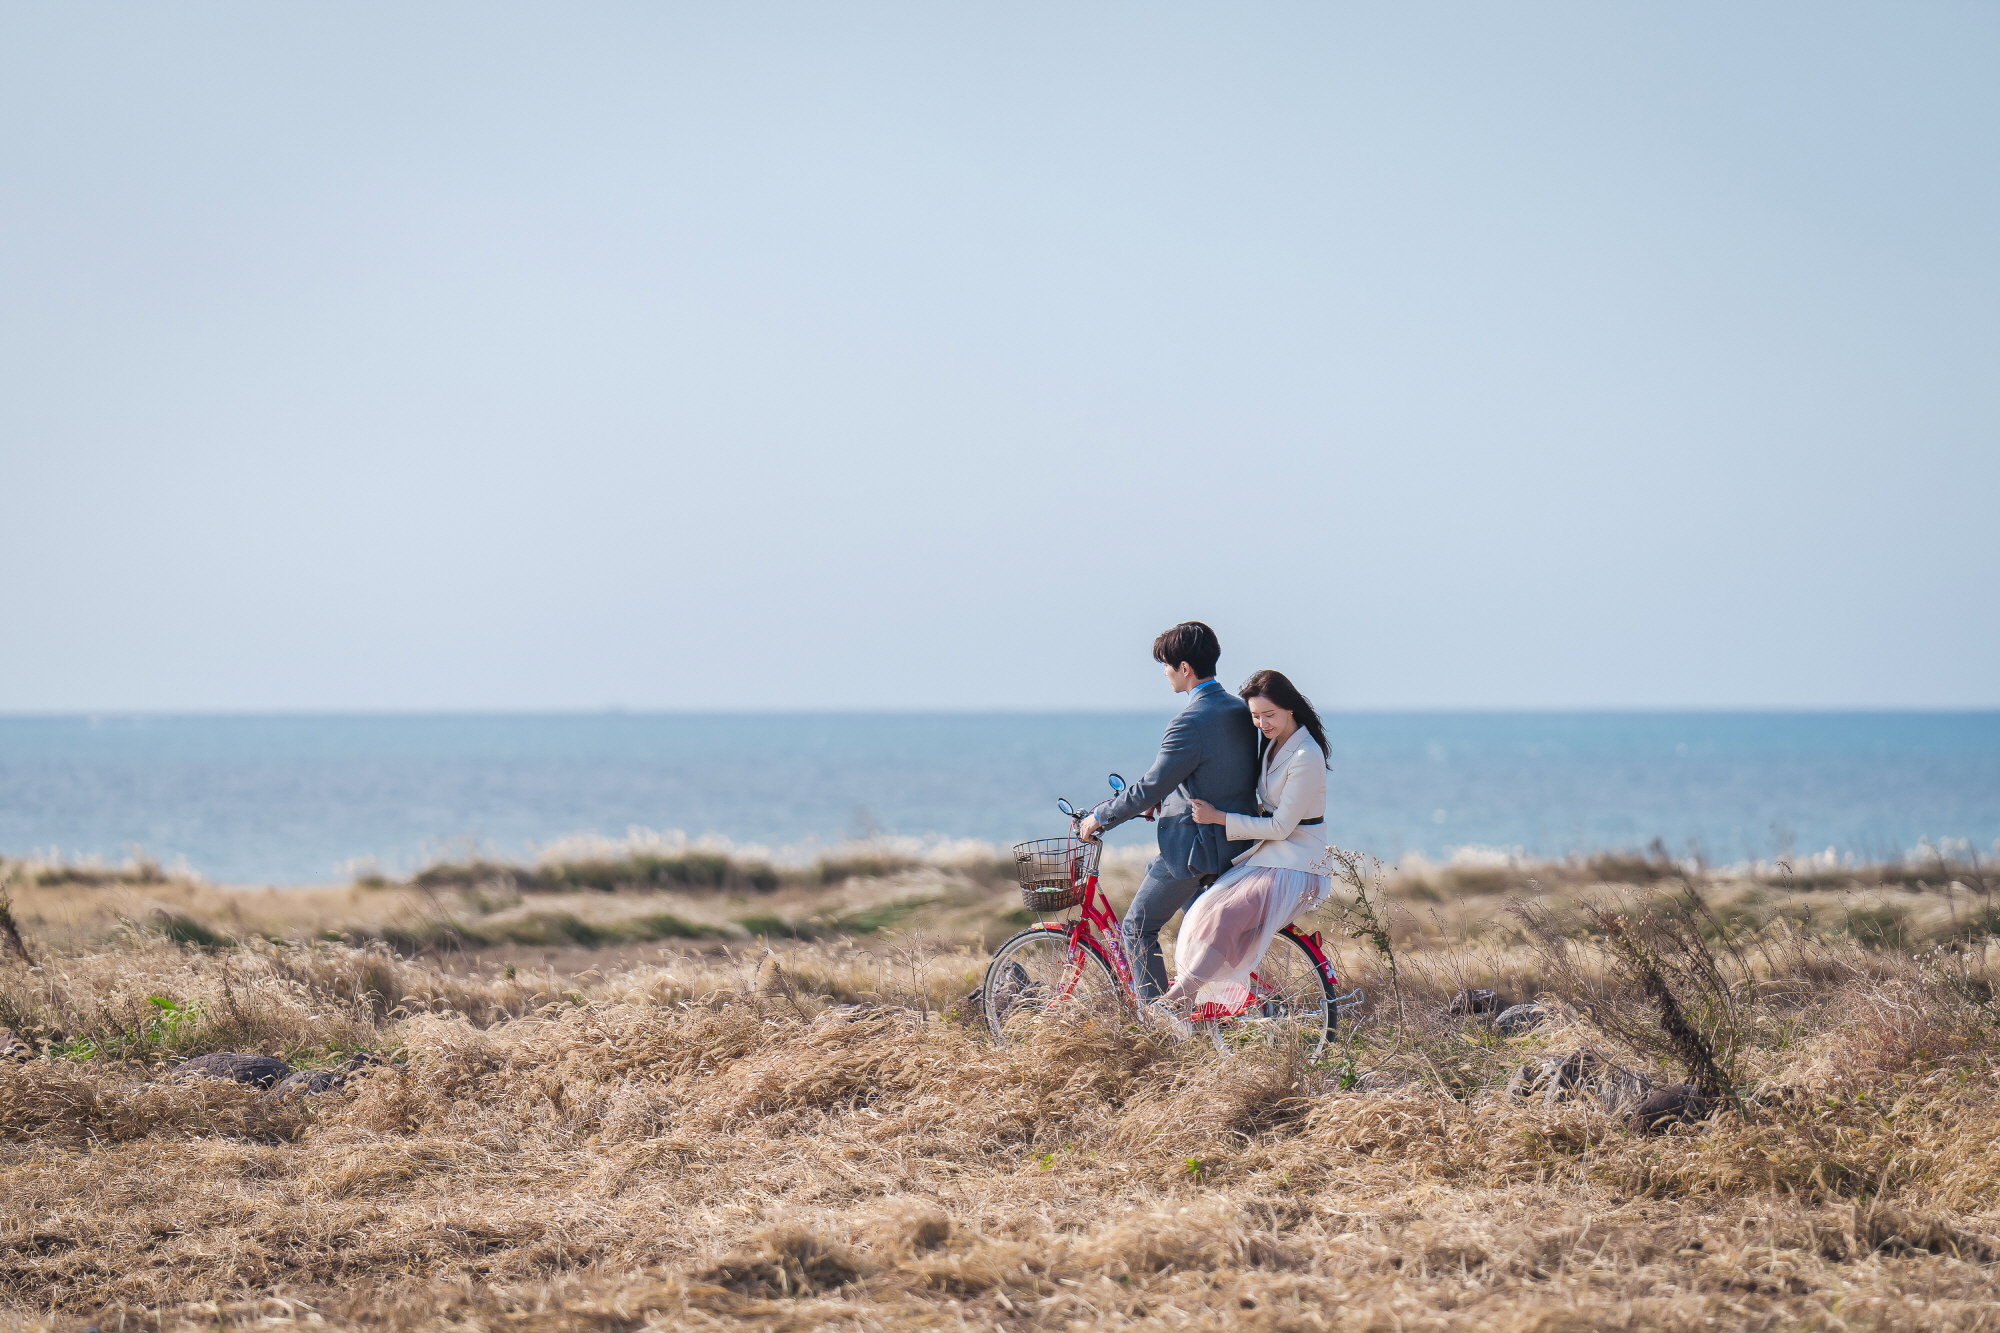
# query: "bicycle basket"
1051, 871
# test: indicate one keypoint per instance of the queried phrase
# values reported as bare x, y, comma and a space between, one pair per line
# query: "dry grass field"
702, 1098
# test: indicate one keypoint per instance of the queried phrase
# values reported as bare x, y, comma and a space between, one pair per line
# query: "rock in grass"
260, 1071
1470, 1002
1555, 1079
309, 1082
786, 1261
1663, 1108
1521, 1018
1552, 1078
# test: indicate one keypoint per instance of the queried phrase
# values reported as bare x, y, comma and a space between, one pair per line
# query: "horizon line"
1611, 710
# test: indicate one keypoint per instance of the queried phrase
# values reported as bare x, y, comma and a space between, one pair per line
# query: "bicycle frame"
1096, 927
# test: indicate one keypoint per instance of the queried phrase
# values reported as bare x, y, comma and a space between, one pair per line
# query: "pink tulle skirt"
1227, 930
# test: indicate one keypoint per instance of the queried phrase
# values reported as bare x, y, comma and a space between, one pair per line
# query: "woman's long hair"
1274, 685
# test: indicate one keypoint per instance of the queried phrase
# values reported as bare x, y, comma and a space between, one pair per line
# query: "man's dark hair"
1191, 642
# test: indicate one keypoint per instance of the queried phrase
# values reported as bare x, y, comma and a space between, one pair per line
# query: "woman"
1227, 930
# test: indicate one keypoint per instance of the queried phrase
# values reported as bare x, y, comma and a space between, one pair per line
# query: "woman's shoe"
1156, 1014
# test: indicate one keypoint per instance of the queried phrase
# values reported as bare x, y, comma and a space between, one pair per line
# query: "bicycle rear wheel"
1294, 1005
1041, 973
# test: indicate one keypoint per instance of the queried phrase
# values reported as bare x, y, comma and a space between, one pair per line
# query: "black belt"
1316, 819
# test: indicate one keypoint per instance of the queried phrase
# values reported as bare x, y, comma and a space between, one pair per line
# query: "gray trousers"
1158, 898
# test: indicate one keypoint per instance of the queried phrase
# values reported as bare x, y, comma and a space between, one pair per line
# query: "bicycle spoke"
1290, 1005
1040, 974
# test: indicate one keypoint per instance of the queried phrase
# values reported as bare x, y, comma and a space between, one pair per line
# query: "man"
1210, 754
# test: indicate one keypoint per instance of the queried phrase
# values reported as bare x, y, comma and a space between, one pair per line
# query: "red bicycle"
1077, 964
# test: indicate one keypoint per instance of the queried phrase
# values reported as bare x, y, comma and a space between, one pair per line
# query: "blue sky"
879, 356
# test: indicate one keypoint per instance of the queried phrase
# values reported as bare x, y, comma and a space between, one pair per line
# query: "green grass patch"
860, 867
1624, 868
653, 871
865, 921
639, 872
565, 929
547, 930
460, 875
776, 927
667, 926
184, 929
1879, 927
879, 917
692, 870
98, 877
428, 937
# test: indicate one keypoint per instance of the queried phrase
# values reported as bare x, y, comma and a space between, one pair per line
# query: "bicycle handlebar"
1076, 818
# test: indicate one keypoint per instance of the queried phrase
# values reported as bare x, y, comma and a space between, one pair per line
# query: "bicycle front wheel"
1042, 973
1293, 1006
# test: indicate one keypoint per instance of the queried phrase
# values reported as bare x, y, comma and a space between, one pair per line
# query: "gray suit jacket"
1210, 752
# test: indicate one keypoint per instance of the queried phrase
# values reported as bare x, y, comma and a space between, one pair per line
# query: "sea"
318, 799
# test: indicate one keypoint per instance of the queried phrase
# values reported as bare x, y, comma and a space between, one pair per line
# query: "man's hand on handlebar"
1087, 828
